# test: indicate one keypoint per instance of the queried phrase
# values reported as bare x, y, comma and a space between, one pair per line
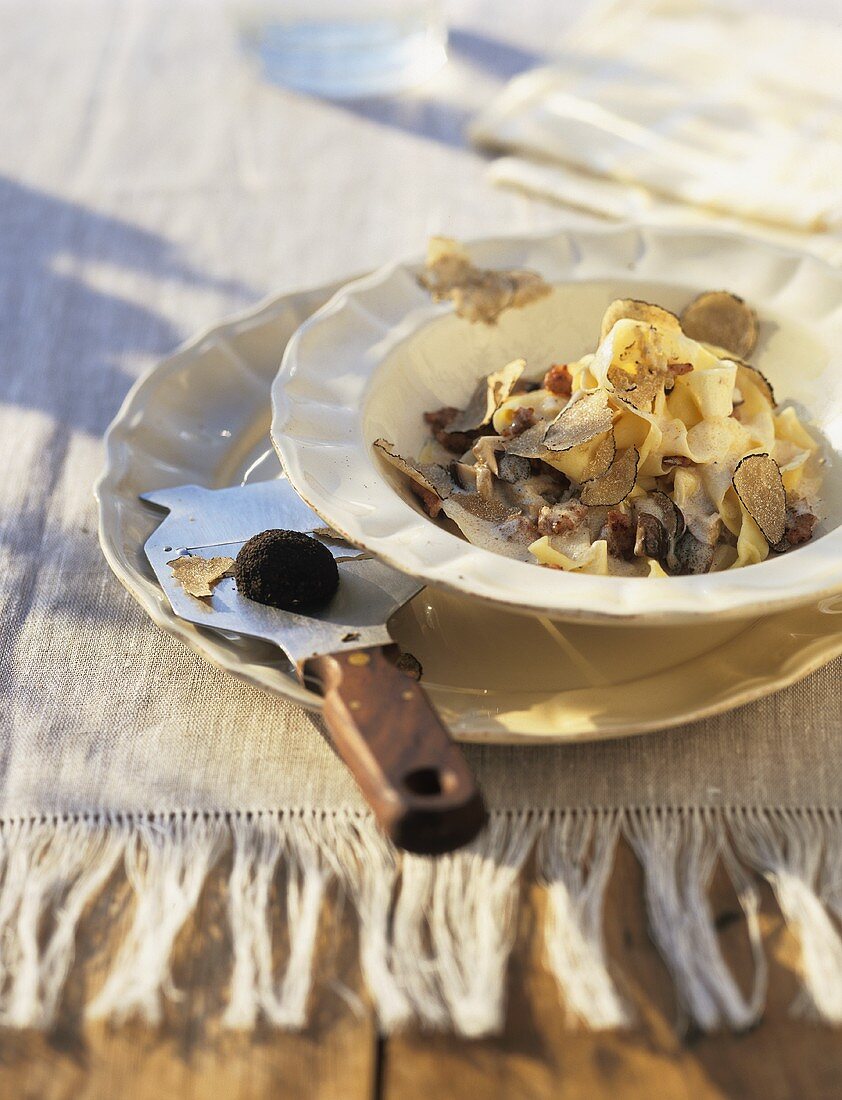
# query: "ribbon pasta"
691, 427
657, 454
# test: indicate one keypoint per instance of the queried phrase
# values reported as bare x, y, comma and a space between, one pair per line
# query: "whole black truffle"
286, 569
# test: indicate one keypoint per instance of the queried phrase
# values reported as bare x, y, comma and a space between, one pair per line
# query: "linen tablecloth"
694, 101
151, 182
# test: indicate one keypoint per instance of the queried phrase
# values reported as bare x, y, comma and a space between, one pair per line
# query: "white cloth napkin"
685, 100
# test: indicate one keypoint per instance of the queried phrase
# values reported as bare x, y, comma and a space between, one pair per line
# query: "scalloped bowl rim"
811, 573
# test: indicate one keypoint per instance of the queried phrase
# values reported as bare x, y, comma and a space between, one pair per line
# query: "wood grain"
539, 1055
411, 772
190, 1057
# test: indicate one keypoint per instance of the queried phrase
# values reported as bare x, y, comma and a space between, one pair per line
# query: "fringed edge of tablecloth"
434, 934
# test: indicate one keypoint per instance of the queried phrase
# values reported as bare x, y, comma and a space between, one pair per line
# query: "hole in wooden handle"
424, 781
430, 782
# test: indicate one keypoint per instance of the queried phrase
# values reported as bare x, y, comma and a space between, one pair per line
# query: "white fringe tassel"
574, 859
259, 844
453, 927
434, 934
788, 848
50, 872
679, 852
167, 860
367, 868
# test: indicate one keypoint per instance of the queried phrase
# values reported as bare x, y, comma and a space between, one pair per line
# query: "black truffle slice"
759, 485
491, 524
430, 476
286, 569
529, 444
579, 422
600, 461
722, 319
615, 484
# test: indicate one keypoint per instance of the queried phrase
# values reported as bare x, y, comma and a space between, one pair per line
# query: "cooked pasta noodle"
656, 454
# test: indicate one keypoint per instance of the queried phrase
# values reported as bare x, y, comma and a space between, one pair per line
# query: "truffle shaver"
411, 773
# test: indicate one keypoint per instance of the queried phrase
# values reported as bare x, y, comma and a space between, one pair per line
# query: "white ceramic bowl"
380, 353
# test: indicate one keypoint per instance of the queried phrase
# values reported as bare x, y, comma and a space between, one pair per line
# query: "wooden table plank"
540, 1056
190, 1057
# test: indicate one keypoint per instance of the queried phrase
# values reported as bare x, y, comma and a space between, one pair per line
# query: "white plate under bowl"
381, 353
202, 417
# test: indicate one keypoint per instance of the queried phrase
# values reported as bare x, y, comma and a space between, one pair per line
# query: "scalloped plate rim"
794, 667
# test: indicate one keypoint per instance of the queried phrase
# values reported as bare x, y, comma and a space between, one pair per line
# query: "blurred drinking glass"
347, 48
